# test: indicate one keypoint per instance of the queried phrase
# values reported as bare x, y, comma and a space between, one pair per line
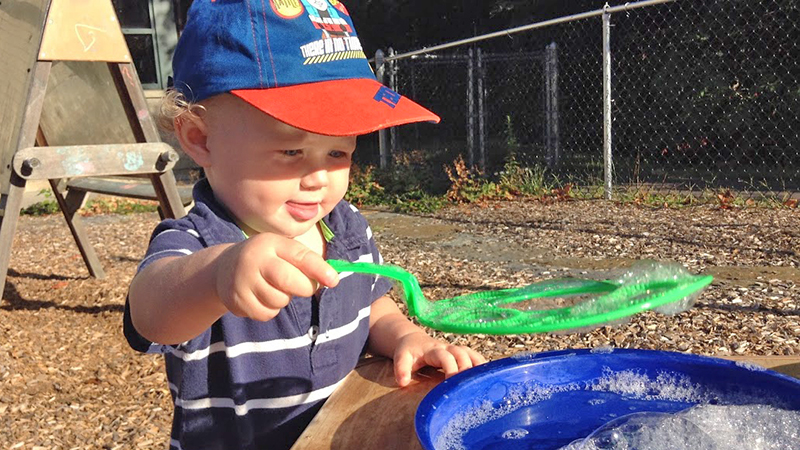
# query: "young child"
256, 328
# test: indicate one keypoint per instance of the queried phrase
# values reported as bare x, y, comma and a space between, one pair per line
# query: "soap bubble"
515, 433
647, 431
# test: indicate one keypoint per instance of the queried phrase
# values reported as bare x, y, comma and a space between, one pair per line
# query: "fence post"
383, 147
609, 162
552, 143
393, 85
471, 107
481, 114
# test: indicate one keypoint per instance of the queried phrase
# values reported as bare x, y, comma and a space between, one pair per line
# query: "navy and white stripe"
244, 384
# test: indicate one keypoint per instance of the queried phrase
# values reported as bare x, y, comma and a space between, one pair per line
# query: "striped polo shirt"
245, 384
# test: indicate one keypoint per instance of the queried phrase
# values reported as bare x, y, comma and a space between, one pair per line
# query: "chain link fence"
704, 96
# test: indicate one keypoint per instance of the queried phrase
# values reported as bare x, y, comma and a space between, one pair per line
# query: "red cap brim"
338, 107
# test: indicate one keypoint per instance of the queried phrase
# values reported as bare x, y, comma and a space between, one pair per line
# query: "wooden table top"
369, 411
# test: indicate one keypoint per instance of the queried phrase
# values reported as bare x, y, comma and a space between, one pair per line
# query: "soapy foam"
756, 427
518, 396
664, 386
702, 427
602, 349
750, 366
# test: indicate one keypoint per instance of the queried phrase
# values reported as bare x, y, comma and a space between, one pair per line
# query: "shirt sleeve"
171, 238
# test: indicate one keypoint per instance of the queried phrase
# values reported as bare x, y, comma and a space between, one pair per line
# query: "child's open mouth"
302, 211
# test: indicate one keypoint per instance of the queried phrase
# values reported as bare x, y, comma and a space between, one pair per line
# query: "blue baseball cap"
300, 61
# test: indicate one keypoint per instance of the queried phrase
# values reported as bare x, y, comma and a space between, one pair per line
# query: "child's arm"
174, 299
392, 334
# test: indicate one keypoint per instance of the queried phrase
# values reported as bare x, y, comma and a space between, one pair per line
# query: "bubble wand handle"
415, 299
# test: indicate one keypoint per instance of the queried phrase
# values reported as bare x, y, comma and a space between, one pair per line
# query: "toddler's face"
271, 176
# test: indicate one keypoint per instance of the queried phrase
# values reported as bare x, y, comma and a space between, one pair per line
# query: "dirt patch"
461, 243
69, 381
755, 274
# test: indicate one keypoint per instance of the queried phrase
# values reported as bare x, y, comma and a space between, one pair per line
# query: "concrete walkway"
36, 191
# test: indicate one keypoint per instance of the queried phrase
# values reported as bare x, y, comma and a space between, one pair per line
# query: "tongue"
302, 211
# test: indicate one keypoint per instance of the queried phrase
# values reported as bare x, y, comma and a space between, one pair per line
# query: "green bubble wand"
664, 287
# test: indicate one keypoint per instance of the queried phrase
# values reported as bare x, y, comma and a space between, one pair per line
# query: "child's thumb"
402, 369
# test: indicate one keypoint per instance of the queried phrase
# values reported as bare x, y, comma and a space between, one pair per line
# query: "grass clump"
93, 207
43, 208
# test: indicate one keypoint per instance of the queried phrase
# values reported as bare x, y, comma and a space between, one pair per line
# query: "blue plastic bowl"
554, 398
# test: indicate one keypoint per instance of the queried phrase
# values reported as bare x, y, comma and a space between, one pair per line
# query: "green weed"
94, 207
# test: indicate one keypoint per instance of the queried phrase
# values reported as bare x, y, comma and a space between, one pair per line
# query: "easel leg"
69, 205
11, 201
145, 130
167, 192
10, 204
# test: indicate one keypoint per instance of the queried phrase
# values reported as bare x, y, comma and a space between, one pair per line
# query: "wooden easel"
46, 126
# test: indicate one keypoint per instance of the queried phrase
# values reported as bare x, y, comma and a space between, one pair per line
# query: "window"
151, 31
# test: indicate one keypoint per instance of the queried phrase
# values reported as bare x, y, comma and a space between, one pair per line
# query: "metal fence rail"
698, 96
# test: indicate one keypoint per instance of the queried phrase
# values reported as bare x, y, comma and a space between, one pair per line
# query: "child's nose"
315, 180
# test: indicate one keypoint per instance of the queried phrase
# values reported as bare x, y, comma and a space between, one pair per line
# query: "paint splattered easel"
73, 112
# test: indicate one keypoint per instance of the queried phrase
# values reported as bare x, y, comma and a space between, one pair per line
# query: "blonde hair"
175, 106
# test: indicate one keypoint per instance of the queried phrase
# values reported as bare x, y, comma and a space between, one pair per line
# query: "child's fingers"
477, 358
271, 297
252, 302
286, 278
462, 357
311, 264
454, 359
443, 359
451, 359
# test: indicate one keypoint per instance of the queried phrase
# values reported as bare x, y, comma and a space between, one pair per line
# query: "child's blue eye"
338, 154
292, 152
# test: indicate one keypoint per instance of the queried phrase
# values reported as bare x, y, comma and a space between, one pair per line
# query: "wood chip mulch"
69, 381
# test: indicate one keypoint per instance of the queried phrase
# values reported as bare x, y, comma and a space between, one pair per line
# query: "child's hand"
417, 350
258, 277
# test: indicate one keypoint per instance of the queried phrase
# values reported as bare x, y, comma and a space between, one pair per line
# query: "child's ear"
192, 133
